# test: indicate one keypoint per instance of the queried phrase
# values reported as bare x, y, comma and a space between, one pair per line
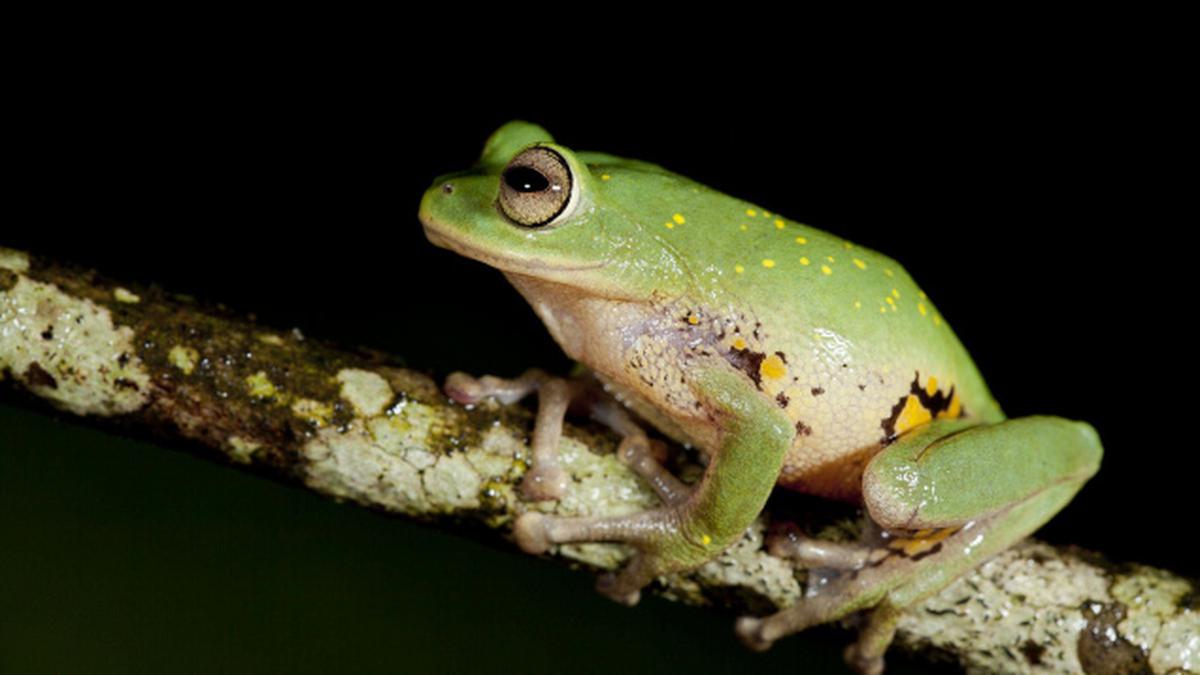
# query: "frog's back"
837, 335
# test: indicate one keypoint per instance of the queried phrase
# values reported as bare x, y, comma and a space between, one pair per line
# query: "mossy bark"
355, 425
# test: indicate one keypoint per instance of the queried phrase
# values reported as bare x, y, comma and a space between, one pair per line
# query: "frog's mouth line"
443, 239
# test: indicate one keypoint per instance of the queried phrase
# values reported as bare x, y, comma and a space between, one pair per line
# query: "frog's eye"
535, 187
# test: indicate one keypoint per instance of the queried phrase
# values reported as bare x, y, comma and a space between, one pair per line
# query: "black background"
1033, 203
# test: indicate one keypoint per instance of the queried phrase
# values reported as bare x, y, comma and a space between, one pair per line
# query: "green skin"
789, 356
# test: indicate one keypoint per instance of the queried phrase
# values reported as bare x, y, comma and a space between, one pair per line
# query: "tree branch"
353, 425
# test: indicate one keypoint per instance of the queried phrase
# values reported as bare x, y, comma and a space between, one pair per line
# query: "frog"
786, 356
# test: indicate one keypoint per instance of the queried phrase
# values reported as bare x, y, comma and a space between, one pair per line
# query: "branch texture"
355, 426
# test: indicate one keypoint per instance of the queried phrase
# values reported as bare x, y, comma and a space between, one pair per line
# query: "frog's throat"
447, 240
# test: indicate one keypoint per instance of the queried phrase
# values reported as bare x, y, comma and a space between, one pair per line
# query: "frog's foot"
811, 553
657, 534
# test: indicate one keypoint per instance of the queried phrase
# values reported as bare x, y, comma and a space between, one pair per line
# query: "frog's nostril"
448, 188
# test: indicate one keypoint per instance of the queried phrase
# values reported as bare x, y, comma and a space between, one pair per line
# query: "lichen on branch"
355, 426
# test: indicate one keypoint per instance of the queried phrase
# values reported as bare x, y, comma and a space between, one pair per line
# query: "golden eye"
535, 187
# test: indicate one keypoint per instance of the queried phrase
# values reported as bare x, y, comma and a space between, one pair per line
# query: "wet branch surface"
355, 426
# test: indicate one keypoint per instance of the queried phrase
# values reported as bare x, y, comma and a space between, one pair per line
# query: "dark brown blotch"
1100, 647
36, 376
748, 362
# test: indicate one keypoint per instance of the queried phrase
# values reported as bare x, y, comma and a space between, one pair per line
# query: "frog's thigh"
713, 515
947, 473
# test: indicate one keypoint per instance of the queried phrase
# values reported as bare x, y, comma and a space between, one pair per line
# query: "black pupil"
525, 179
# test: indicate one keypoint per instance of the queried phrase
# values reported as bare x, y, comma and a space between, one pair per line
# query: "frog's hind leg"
947, 496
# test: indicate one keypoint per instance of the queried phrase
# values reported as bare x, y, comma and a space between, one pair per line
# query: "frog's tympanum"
785, 354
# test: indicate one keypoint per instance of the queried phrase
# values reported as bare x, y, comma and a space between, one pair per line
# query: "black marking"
817, 391
124, 383
48, 334
862, 387
782, 357
1033, 652
936, 404
748, 362
803, 429
782, 399
37, 376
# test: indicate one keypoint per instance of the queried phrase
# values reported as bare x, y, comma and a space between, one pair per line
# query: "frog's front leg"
684, 533
545, 478
947, 496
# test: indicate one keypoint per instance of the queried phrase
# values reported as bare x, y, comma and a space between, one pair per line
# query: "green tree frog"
786, 355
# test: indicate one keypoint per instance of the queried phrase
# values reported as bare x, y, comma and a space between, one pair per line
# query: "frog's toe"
748, 630
544, 482
644, 457
611, 586
862, 663
787, 542
463, 389
531, 533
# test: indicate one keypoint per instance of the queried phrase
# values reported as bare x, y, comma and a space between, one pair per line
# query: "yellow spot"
921, 308
738, 343
954, 410
890, 301
260, 386
779, 224
705, 539
751, 212
801, 240
888, 272
896, 294
693, 319
678, 218
744, 227
124, 295
882, 310
826, 270
922, 295
739, 269
183, 358
772, 367
857, 304
920, 542
931, 386
848, 245
605, 176
768, 263
315, 412
804, 260
766, 213
913, 415
860, 264
829, 258
669, 225
937, 320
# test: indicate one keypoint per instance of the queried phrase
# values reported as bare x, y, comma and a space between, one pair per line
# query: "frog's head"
533, 208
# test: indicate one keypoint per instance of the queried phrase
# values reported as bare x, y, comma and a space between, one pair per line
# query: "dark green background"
1024, 203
